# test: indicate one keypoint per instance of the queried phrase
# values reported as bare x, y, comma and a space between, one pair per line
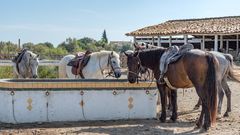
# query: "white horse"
26, 64
98, 62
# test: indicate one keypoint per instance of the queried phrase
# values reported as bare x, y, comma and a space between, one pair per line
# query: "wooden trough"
41, 100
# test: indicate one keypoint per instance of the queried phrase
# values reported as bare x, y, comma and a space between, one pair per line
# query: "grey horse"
228, 69
26, 64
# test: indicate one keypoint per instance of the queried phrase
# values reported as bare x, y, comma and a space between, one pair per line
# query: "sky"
55, 20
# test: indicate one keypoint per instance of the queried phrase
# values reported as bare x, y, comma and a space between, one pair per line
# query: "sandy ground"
184, 125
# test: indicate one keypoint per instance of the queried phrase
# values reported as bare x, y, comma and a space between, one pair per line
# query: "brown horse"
194, 69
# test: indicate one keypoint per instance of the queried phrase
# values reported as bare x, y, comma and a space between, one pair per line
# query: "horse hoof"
162, 119
206, 127
196, 108
198, 125
173, 119
226, 115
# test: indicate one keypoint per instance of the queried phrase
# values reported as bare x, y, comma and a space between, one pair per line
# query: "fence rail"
41, 63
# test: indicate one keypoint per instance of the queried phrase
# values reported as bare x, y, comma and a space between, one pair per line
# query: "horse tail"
234, 71
211, 86
63, 66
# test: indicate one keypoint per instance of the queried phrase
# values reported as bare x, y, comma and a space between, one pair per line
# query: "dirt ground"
184, 125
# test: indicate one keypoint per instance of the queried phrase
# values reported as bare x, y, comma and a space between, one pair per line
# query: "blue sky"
55, 20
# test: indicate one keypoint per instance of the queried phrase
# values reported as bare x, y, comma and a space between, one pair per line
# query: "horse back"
190, 69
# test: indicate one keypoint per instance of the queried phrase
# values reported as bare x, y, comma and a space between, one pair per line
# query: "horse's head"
114, 62
32, 61
134, 66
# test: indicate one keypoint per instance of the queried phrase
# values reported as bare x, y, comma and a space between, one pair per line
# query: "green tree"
104, 37
71, 45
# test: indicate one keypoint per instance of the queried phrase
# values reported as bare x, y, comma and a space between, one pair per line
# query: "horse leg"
228, 94
220, 95
174, 105
162, 92
200, 119
169, 94
198, 104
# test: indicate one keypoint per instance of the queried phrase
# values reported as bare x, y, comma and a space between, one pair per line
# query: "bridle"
109, 64
138, 70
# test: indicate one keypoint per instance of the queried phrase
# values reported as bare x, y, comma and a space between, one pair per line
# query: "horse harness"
110, 73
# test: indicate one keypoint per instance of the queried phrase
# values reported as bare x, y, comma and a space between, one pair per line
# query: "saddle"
79, 62
171, 55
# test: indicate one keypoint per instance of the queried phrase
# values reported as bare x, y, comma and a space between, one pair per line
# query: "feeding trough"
50, 100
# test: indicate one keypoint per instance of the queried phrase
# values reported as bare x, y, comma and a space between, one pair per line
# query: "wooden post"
185, 39
227, 46
170, 41
19, 44
203, 43
221, 41
215, 42
237, 46
153, 40
159, 41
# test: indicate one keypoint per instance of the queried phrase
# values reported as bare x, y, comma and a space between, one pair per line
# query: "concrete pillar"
221, 41
170, 41
227, 46
152, 40
215, 42
237, 45
185, 39
159, 41
203, 43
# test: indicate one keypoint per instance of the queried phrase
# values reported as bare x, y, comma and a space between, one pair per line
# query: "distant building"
120, 43
219, 33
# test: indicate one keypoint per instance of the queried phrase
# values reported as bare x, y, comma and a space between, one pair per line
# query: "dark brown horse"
194, 69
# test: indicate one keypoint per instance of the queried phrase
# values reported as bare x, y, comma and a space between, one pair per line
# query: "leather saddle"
79, 62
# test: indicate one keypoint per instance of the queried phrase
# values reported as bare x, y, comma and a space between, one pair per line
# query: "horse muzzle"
35, 76
117, 74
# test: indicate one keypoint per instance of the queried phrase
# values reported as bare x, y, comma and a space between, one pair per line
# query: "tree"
104, 37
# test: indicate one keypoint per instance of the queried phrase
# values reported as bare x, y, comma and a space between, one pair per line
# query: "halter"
110, 73
139, 68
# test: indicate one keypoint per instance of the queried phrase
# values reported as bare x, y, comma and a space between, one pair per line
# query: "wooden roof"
217, 25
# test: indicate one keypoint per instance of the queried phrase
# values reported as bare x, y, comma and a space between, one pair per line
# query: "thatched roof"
218, 25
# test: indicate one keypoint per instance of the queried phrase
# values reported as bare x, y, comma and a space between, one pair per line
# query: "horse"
195, 68
25, 64
98, 62
227, 69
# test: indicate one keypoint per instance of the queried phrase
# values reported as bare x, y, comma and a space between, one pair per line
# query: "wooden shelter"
204, 33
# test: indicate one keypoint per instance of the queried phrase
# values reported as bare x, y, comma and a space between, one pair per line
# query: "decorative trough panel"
27, 101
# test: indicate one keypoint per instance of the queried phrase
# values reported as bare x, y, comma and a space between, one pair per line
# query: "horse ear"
136, 46
126, 53
112, 53
136, 54
38, 56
